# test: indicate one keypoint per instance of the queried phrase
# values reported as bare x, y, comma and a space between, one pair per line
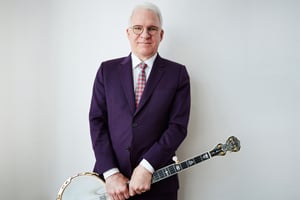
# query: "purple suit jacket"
123, 135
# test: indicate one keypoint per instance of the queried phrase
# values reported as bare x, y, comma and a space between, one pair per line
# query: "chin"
144, 51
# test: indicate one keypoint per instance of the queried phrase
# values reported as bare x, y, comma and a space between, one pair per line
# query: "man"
139, 115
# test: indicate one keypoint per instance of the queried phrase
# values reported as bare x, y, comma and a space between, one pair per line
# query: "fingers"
140, 181
133, 191
137, 188
119, 195
116, 187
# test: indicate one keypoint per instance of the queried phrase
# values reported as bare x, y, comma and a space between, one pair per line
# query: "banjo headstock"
232, 145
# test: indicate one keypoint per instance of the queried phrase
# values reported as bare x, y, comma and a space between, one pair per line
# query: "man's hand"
117, 187
140, 181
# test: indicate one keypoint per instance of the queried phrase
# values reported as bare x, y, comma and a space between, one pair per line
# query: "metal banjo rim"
69, 180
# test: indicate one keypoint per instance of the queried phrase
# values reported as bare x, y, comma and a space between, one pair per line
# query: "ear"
161, 34
128, 32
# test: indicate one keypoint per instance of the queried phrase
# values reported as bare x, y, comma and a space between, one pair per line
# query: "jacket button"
135, 124
128, 149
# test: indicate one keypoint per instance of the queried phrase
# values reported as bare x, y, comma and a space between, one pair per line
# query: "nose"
145, 33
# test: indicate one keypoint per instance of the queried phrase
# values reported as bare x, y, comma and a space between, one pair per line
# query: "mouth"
144, 41
144, 44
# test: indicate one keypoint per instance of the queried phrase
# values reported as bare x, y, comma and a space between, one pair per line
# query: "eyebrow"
150, 26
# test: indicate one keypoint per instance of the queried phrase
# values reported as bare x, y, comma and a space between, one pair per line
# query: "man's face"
145, 44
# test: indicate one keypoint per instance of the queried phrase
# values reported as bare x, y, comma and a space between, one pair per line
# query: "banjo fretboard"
175, 168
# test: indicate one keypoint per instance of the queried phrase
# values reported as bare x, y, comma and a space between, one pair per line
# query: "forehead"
144, 17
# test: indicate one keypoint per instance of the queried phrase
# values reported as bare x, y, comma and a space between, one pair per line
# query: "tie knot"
142, 66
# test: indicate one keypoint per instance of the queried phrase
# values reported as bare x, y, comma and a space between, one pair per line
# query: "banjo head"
83, 186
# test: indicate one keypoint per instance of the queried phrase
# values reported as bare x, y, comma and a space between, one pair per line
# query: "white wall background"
243, 58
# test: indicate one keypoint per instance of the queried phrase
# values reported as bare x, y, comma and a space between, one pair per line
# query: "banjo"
89, 186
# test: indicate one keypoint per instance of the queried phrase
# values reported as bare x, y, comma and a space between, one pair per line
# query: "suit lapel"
125, 72
155, 75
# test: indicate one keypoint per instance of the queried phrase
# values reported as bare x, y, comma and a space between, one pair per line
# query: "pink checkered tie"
140, 84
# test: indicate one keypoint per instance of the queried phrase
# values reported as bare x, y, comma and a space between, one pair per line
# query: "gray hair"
148, 6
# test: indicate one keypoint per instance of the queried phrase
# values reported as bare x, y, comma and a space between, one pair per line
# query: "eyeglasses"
138, 29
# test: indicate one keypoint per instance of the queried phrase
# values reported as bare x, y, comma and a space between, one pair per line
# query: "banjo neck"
175, 168
232, 145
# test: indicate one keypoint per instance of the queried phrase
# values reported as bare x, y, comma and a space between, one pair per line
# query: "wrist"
110, 172
144, 163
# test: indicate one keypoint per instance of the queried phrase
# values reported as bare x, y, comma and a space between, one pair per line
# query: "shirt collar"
136, 61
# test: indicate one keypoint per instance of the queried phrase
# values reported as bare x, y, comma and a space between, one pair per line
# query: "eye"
152, 28
138, 28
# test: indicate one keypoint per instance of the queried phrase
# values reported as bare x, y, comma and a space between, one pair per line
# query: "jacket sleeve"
105, 158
